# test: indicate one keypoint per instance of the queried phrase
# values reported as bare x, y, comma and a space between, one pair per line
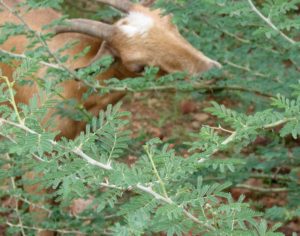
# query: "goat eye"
141, 69
138, 68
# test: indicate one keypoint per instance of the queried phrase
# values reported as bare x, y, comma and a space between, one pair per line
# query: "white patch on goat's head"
136, 23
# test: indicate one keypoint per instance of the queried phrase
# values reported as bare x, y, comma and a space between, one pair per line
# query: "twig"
231, 138
39, 158
272, 177
169, 201
166, 198
154, 194
221, 128
90, 160
107, 185
270, 23
238, 38
242, 89
35, 205
23, 56
194, 87
12, 98
8, 137
40, 38
162, 185
260, 189
245, 69
17, 207
279, 122
50, 65
204, 19
22, 126
59, 65
45, 229
76, 150
162, 88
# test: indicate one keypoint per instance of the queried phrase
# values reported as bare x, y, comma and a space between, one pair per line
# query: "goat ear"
104, 50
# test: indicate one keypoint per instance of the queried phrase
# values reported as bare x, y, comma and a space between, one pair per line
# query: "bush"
255, 136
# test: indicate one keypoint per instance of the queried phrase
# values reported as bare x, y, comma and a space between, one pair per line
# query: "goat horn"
89, 27
122, 5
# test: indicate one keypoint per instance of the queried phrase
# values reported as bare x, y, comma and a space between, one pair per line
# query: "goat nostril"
140, 69
215, 64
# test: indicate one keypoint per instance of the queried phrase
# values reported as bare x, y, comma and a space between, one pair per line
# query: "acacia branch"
162, 88
62, 231
39, 37
231, 138
161, 182
270, 23
261, 189
272, 177
76, 150
220, 128
12, 98
17, 208
169, 201
24, 57
245, 68
91, 161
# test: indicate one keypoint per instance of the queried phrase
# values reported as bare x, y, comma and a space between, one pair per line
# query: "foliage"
162, 191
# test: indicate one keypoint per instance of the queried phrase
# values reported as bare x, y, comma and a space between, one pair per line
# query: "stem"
45, 229
272, 177
161, 88
91, 161
260, 189
35, 205
155, 88
280, 122
76, 150
23, 56
245, 68
162, 185
17, 207
225, 142
231, 138
238, 38
112, 148
221, 128
270, 23
233, 221
169, 201
12, 98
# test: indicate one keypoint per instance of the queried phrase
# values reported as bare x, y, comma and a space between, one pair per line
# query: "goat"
142, 38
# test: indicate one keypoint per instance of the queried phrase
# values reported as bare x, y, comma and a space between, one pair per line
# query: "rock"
201, 117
